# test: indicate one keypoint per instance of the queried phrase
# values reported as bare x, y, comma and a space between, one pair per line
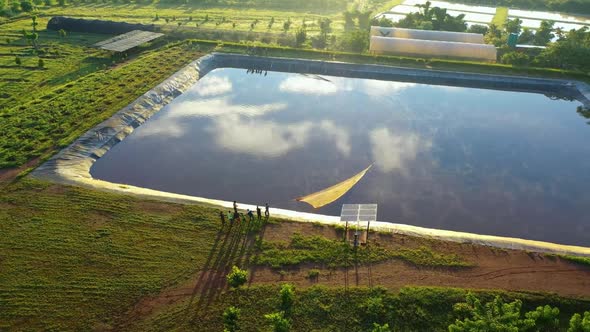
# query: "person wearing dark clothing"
222, 216
235, 209
258, 212
250, 215
266, 211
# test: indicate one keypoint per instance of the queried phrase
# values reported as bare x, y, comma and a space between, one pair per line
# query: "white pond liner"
71, 166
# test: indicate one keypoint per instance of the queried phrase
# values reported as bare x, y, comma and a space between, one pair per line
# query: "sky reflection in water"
492, 162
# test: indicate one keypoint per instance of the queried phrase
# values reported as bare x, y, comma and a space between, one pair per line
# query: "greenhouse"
460, 37
432, 48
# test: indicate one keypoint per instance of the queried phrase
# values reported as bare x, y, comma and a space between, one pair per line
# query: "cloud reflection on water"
242, 128
393, 152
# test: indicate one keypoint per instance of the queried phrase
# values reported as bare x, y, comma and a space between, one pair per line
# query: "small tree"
237, 277
300, 37
287, 295
381, 328
287, 25
26, 6
34, 23
495, 316
544, 33
278, 322
513, 26
231, 316
579, 324
544, 319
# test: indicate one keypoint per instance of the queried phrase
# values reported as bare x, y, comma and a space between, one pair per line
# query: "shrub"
18, 61
41, 63
231, 315
374, 308
300, 37
544, 318
26, 6
313, 274
355, 41
579, 324
278, 322
287, 295
237, 277
516, 58
381, 328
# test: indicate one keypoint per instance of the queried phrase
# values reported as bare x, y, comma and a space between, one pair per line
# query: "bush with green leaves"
300, 36
373, 308
545, 318
231, 316
579, 324
278, 322
355, 41
516, 58
237, 277
287, 296
381, 328
497, 316
494, 316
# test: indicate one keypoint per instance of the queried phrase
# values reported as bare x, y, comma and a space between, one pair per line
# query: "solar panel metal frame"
358, 212
127, 40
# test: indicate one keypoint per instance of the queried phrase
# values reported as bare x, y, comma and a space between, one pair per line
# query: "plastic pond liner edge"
71, 166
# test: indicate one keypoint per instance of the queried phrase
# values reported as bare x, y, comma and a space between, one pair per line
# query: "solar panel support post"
346, 232
368, 224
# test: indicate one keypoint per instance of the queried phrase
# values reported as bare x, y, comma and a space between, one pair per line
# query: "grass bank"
43, 124
336, 253
72, 259
328, 309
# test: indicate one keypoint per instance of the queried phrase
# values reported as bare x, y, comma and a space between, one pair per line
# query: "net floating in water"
330, 194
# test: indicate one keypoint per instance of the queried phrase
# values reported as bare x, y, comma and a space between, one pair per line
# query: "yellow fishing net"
330, 194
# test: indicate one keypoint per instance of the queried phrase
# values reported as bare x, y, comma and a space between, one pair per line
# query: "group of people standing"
236, 216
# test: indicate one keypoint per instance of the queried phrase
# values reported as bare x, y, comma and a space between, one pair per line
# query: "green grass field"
67, 59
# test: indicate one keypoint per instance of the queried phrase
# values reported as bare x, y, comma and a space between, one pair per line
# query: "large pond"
485, 161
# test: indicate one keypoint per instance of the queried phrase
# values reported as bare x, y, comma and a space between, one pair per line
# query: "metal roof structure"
126, 41
358, 212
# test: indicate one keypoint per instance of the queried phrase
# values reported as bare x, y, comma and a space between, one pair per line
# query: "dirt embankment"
492, 269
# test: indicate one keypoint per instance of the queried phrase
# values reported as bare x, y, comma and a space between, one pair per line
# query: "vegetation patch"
338, 253
357, 309
41, 126
577, 259
500, 17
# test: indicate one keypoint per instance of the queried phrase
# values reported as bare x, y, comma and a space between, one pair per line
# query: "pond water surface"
484, 161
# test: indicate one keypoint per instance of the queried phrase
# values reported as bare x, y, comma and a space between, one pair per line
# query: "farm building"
431, 44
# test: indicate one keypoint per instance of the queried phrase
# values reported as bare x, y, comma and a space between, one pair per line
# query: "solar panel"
127, 40
358, 212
